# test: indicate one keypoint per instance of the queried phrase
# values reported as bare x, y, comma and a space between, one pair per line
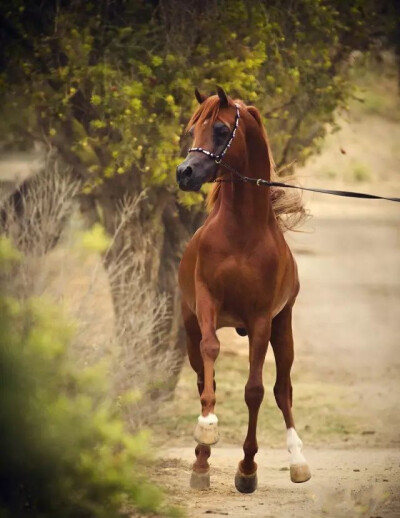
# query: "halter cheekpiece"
218, 158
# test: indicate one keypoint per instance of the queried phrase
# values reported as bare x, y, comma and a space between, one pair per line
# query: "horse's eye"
191, 131
221, 130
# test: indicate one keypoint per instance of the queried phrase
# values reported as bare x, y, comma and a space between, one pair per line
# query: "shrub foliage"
65, 452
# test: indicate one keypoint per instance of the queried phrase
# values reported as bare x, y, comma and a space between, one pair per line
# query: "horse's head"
212, 127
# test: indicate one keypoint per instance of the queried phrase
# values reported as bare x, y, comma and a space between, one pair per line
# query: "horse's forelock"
209, 109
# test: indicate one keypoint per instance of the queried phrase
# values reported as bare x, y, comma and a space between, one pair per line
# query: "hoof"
206, 431
200, 481
300, 473
246, 483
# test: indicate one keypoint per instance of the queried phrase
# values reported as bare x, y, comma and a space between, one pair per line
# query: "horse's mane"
287, 204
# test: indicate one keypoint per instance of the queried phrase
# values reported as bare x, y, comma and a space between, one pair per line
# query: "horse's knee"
254, 394
210, 347
283, 394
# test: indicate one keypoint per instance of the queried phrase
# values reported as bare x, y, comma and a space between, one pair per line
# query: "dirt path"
344, 484
346, 328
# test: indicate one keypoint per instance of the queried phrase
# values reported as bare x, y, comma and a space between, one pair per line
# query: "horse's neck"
246, 203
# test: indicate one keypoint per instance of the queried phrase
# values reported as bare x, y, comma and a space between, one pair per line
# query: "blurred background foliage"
110, 83
65, 451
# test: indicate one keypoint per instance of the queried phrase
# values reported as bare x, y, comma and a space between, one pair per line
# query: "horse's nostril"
183, 172
188, 172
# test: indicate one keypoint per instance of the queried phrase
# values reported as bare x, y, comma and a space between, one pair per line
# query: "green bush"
64, 449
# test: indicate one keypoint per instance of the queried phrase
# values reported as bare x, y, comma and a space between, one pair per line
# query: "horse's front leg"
206, 432
259, 334
200, 477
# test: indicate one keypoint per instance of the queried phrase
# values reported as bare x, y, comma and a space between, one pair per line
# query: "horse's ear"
223, 98
200, 97
256, 114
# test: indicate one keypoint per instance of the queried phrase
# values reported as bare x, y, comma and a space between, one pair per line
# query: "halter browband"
219, 157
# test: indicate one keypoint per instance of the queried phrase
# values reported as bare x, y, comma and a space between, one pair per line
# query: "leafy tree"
109, 85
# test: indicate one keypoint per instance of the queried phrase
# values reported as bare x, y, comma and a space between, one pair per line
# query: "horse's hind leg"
246, 476
200, 477
282, 344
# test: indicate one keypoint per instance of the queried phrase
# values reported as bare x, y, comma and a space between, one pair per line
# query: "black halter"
260, 181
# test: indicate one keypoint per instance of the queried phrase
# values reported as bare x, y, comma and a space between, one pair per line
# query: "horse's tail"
241, 331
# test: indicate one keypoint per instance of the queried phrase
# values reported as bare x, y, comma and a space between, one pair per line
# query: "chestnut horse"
237, 271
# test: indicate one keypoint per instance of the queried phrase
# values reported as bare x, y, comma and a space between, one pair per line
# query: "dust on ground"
345, 483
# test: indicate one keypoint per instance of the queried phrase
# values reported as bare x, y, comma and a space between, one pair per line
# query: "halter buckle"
258, 183
218, 160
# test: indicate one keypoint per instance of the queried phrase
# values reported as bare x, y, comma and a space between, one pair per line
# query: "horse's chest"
236, 280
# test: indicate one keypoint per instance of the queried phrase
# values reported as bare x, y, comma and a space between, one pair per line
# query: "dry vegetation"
64, 262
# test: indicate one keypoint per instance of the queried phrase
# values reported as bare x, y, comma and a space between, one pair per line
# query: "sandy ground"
346, 329
344, 484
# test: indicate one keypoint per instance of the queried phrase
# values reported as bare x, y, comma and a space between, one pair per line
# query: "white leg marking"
208, 419
294, 446
206, 431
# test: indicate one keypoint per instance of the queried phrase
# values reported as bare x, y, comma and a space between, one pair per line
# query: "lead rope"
267, 183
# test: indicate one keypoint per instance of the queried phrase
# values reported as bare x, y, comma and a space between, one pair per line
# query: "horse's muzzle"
186, 179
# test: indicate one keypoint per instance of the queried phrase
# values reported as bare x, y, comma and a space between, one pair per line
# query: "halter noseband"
218, 158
